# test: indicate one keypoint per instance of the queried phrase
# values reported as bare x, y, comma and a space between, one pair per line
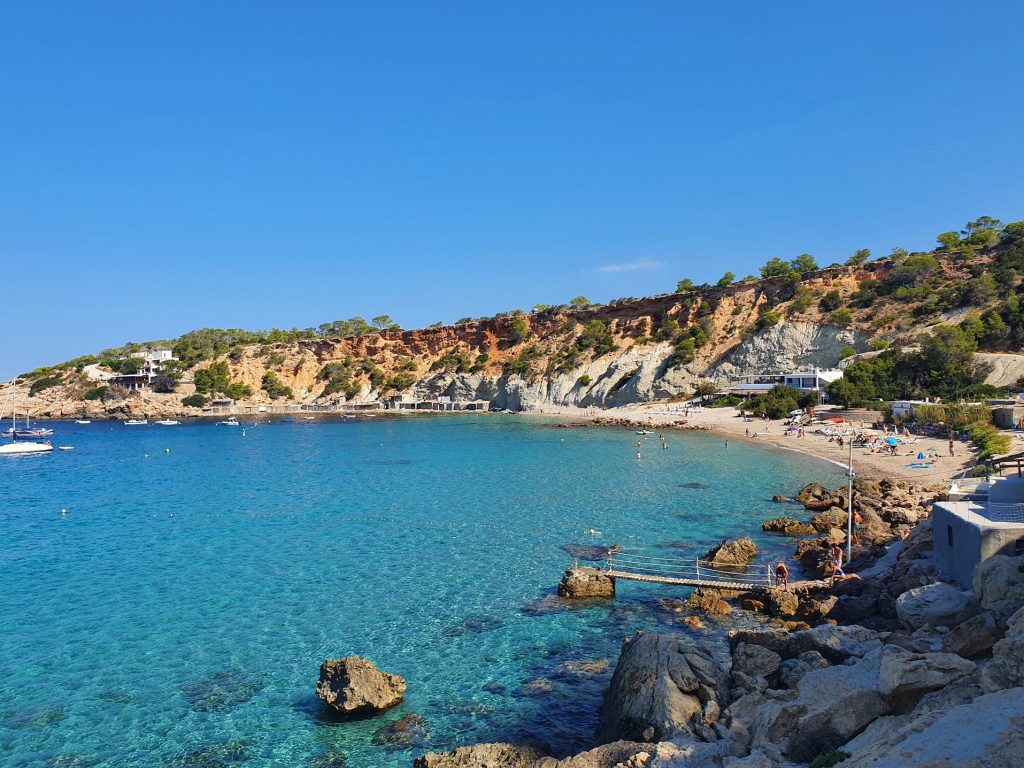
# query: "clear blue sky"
173, 165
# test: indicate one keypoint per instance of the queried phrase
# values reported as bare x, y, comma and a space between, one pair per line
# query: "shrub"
725, 401
830, 301
164, 384
274, 386
96, 393
828, 759
767, 320
44, 383
402, 381
519, 329
194, 401
584, 380
987, 439
842, 318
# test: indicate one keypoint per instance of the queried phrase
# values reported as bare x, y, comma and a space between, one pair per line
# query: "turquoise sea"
178, 612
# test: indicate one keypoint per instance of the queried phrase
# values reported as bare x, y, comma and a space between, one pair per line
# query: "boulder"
734, 552
834, 643
780, 602
973, 637
586, 583
986, 733
779, 499
813, 492
937, 604
833, 517
618, 754
661, 682
839, 702
354, 686
1007, 666
483, 756
904, 675
755, 660
709, 602
999, 584
787, 526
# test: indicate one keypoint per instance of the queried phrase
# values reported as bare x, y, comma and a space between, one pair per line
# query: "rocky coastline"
890, 667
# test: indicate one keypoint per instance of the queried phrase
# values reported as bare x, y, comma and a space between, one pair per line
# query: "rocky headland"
891, 667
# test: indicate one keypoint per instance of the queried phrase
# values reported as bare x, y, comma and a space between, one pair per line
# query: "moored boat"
167, 422
136, 422
232, 422
18, 445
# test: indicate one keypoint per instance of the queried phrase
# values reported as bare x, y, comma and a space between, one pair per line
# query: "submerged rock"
409, 732
223, 691
695, 486
480, 623
224, 755
335, 760
580, 583
708, 602
32, 718
354, 686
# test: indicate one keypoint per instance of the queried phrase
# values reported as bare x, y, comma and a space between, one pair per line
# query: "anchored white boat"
167, 422
83, 421
232, 422
136, 422
18, 446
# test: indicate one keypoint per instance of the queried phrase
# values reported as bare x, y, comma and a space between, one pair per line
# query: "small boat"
83, 421
644, 432
232, 422
18, 446
136, 422
309, 418
167, 422
287, 420
28, 433
66, 447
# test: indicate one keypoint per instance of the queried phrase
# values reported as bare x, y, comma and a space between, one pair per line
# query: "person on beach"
837, 564
747, 432
951, 453
782, 576
857, 520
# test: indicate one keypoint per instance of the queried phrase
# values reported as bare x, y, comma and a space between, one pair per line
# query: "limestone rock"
661, 681
483, 756
755, 660
986, 733
354, 686
1007, 666
787, 526
735, 552
999, 584
936, 604
839, 703
709, 601
618, 754
833, 517
973, 637
904, 674
583, 583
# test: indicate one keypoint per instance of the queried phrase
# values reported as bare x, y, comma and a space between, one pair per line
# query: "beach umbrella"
920, 455
892, 441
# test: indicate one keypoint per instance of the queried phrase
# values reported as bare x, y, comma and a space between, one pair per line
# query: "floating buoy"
167, 449
63, 512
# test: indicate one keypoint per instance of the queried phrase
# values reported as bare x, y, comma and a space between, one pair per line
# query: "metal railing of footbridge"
635, 565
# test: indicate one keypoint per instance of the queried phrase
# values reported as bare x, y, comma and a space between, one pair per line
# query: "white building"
813, 380
149, 366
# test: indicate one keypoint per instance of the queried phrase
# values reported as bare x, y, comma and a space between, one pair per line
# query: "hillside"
964, 295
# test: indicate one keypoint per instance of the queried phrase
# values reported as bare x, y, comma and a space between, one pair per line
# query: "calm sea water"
178, 613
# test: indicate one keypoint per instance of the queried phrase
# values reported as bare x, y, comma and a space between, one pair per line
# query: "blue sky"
174, 165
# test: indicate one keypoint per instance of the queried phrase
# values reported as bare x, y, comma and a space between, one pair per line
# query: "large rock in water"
999, 584
937, 604
354, 686
735, 552
662, 682
787, 526
986, 733
483, 756
582, 583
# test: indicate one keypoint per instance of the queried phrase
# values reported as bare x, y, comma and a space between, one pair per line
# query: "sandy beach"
728, 423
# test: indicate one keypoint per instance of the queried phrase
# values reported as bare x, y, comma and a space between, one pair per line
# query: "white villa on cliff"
149, 366
813, 380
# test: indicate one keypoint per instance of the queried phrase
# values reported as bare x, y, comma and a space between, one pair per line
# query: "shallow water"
178, 613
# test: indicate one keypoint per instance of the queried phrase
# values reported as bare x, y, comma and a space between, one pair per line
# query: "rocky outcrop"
987, 732
353, 686
905, 675
586, 583
787, 526
484, 756
1007, 666
973, 637
732, 552
937, 604
662, 686
999, 584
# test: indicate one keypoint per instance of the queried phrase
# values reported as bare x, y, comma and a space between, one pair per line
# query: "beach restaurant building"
813, 380
972, 527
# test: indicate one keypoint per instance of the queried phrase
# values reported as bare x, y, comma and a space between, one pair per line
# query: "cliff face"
631, 350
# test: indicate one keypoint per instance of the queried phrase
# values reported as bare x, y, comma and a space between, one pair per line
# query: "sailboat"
20, 446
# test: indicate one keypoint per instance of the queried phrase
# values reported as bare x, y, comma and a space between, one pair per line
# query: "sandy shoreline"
727, 422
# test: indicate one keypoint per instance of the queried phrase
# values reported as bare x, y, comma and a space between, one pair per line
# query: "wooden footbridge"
634, 565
